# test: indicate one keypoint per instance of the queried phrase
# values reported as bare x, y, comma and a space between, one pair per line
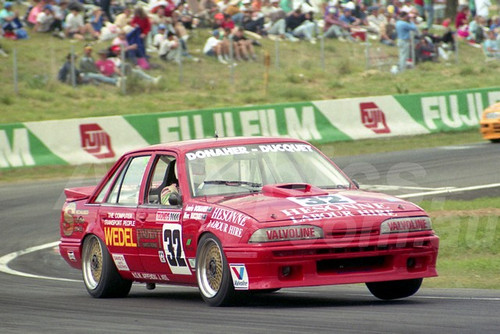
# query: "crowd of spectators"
137, 29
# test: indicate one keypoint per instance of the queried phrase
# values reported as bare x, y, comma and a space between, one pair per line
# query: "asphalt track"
39, 293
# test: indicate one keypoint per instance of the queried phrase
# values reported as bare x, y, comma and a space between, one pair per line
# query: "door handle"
142, 216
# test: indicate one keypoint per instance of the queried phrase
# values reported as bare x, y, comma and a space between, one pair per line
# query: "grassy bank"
297, 73
469, 251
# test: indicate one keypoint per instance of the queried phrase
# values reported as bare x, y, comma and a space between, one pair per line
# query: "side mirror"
175, 199
355, 183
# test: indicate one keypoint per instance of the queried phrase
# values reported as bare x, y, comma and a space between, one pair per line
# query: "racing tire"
394, 289
495, 141
212, 272
100, 276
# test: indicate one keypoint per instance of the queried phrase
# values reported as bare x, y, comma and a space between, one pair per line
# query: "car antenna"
216, 135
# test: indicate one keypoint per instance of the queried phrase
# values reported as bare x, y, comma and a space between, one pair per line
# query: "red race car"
236, 214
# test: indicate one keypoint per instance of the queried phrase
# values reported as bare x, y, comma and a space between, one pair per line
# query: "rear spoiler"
73, 194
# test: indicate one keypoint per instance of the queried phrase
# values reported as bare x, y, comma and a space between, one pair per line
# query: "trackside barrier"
104, 139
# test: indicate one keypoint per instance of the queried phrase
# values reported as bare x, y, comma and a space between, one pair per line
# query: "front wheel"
394, 289
100, 275
212, 272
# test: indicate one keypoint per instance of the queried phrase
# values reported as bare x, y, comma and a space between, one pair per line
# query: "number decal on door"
172, 245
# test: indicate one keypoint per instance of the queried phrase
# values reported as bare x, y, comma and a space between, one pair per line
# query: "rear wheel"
394, 289
212, 272
100, 275
495, 140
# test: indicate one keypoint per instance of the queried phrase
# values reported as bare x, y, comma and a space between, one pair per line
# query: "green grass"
469, 250
208, 84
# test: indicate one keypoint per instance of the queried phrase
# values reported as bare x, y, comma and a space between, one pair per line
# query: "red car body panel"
158, 244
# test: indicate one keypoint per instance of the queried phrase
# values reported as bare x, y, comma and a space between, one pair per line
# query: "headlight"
286, 233
408, 224
492, 115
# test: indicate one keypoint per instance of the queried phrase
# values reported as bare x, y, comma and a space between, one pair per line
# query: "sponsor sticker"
168, 216
240, 276
320, 200
120, 262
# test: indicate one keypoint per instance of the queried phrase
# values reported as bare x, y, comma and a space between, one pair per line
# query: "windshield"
245, 169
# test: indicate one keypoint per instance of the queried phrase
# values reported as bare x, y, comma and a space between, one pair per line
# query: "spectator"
419, 6
287, 6
429, 12
33, 12
232, 11
141, 20
253, 20
68, 73
375, 20
349, 19
425, 50
170, 49
216, 47
97, 19
123, 19
6, 14
335, 28
46, 21
114, 66
495, 23
10, 23
243, 48
300, 25
462, 17
90, 71
403, 29
106, 9
490, 46
207, 11
130, 49
75, 26
476, 31
482, 8
276, 25
160, 35
388, 33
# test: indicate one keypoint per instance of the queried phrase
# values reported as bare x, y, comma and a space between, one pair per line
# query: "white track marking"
430, 191
4, 263
451, 190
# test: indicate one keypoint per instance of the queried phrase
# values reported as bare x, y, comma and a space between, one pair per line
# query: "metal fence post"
16, 84
72, 62
277, 52
123, 76
412, 48
367, 55
231, 58
180, 68
322, 47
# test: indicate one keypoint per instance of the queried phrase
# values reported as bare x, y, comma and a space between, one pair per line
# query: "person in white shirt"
76, 28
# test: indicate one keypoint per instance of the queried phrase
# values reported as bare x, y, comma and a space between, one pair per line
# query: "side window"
164, 174
128, 184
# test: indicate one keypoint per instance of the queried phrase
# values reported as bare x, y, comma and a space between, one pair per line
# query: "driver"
166, 192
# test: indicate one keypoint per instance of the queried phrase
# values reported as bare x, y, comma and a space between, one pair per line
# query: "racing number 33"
172, 245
